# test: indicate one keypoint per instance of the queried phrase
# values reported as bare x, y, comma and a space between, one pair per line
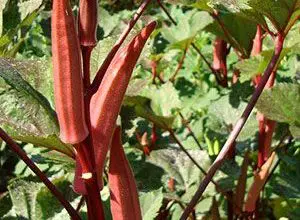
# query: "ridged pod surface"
68, 87
106, 102
124, 200
88, 12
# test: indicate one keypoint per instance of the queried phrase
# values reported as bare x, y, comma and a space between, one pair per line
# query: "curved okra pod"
124, 200
106, 102
68, 87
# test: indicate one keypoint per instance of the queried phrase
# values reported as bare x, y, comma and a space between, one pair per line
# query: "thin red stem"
17, 149
85, 150
237, 128
80, 204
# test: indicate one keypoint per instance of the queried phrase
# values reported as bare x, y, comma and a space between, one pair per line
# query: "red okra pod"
106, 102
88, 13
124, 200
68, 88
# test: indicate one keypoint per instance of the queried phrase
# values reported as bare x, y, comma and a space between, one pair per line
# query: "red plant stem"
17, 149
266, 130
86, 154
193, 45
241, 185
80, 204
100, 74
86, 57
86, 157
180, 64
230, 206
257, 42
261, 139
231, 152
229, 37
237, 128
230, 200
93, 198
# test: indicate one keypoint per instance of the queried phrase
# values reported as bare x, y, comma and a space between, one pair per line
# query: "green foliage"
200, 112
281, 104
151, 203
190, 23
29, 116
31, 199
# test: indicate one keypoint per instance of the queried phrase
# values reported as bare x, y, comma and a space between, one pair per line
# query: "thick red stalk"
87, 150
124, 200
266, 130
237, 128
17, 149
88, 174
103, 69
106, 102
241, 185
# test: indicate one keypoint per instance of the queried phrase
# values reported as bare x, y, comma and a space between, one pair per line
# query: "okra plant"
201, 122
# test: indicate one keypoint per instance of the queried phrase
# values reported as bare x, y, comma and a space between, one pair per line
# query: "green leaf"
281, 103
238, 36
203, 5
33, 200
107, 21
23, 193
278, 12
163, 99
178, 166
228, 115
28, 6
249, 68
100, 52
27, 114
257, 64
190, 23
6, 39
142, 108
45, 199
5, 204
151, 203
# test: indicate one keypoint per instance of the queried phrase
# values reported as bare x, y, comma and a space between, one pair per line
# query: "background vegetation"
174, 102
